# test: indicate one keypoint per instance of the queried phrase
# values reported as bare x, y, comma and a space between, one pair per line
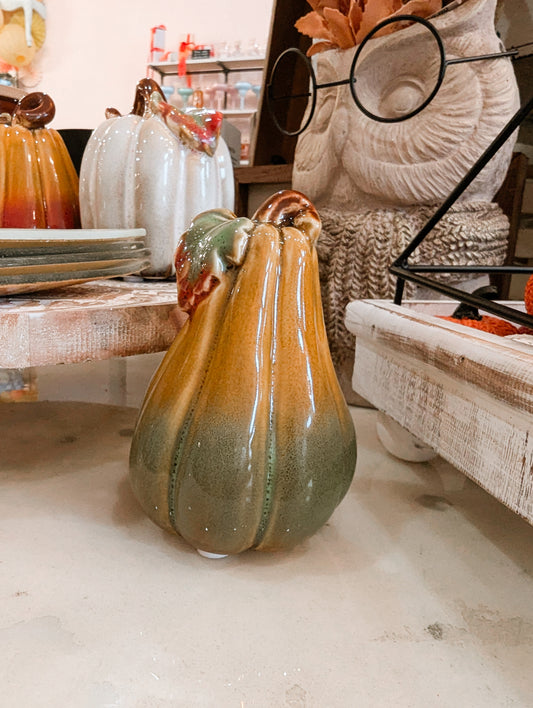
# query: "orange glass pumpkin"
38, 182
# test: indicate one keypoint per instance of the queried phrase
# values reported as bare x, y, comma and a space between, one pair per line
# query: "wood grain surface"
97, 320
465, 393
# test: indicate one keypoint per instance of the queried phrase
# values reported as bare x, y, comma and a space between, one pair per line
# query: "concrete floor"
418, 592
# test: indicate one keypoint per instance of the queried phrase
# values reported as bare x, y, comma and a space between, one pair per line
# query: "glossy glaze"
244, 439
38, 182
135, 173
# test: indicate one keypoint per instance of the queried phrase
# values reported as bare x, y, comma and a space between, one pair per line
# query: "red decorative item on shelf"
183, 54
157, 42
528, 296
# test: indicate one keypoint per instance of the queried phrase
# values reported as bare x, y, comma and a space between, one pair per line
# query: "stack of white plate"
42, 259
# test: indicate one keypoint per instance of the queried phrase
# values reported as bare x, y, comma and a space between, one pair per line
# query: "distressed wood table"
466, 394
97, 320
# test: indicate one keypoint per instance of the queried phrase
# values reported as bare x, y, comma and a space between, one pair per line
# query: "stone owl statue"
347, 160
376, 184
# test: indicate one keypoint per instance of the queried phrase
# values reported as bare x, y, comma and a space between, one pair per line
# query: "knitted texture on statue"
356, 248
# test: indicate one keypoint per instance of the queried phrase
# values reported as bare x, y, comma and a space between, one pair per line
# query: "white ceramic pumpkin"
136, 173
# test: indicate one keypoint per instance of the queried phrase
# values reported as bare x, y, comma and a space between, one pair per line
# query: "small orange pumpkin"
469, 316
38, 182
486, 323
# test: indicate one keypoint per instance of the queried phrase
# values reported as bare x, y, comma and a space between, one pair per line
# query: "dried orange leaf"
313, 25
343, 23
355, 15
421, 8
318, 47
374, 12
339, 27
320, 5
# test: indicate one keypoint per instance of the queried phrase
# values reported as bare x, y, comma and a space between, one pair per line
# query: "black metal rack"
404, 271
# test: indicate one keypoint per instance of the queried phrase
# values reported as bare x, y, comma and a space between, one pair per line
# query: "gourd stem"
290, 208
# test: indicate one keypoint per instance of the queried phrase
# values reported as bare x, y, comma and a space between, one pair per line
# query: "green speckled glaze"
215, 236
244, 439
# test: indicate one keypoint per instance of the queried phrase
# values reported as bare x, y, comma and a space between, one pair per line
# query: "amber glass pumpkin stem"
38, 183
34, 110
145, 90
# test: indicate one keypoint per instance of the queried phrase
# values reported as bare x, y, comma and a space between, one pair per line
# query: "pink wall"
95, 52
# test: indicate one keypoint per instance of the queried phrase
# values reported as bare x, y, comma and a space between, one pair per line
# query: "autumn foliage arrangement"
470, 317
341, 24
528, 301
485, 323
528, 296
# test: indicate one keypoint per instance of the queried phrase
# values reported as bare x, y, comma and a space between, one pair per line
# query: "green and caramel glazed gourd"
244, 439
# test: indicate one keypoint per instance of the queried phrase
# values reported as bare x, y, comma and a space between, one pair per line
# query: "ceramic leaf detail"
214, 242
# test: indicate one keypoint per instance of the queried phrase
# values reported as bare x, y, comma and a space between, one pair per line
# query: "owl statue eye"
398, 77
394, 94
402, 98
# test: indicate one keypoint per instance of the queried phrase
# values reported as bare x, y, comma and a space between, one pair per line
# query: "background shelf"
211, 66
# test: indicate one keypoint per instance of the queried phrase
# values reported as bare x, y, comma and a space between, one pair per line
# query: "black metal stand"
405, 271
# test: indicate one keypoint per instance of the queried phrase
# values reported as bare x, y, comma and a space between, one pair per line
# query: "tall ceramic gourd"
244, 439
156, 169
38, 182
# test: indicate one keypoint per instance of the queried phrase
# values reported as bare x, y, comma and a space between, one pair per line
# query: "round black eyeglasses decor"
281, 62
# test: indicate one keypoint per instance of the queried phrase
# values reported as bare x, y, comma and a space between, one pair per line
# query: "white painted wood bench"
97, 320
466, 394
92, 322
